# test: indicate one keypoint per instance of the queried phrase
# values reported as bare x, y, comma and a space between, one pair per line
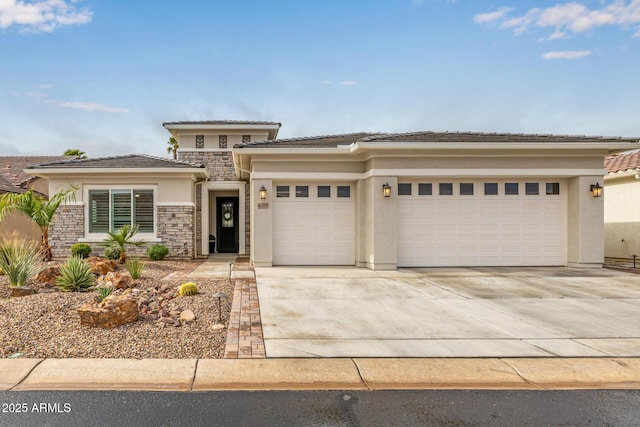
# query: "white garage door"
313, 224
482, 223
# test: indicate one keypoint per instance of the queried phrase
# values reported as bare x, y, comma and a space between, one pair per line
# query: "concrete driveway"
449, 312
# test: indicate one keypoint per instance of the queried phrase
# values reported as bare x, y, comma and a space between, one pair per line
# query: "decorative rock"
101, 266
48, 276
114, 311
22, 291
120, 281
187, 316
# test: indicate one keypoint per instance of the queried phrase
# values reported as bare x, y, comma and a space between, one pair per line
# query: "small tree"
76, 153
39, 209
121, 238
173, 147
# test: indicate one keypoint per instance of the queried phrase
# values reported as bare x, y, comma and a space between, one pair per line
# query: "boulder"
114, 311
48, 276
120, 281
22, 291
101, 266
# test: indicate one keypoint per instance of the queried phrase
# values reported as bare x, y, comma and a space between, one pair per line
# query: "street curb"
320, 374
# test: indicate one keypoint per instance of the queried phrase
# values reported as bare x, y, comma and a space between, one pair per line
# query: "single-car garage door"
481, 222
313, 224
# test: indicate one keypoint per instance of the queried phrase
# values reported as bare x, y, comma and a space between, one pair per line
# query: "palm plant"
39, 209
121, 238
173, 147
76, 153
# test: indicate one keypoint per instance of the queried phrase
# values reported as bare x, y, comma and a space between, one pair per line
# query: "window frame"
100, 236
402, 189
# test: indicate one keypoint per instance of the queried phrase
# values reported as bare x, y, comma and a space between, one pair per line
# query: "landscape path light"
219, 295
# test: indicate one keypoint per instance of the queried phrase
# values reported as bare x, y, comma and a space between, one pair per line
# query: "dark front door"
227, 224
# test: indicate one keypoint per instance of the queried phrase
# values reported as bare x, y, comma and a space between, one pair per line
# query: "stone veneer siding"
65, 230
219, 164
174, 227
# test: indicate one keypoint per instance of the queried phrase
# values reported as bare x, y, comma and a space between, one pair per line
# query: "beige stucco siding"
318, 165
622, 216
19, 225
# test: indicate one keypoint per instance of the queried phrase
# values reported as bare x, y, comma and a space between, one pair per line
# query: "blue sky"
103, 76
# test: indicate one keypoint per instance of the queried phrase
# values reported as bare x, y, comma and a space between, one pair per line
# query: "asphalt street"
322, 408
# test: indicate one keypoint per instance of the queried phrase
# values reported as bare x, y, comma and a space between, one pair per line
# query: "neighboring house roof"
126, 161
7, 187
12, 167
222, 122
622, 162
332, 141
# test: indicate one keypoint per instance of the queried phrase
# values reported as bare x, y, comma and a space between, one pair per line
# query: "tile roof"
492, 137
321, 141
328, 141
12, 167
223, 122
127, 161
622, 161
7, 187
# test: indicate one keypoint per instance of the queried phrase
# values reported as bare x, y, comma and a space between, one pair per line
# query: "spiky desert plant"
188, 289
122, 237
134, 267
103, 293
20, 259
75, 275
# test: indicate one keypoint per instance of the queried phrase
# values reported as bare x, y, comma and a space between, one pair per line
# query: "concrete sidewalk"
319, 374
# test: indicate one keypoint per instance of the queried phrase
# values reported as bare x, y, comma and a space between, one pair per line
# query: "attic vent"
222, 141
246, 138
199, 141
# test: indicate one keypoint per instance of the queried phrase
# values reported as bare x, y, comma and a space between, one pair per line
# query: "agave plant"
103, 293
75, 275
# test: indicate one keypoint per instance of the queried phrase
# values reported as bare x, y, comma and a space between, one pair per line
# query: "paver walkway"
244, 335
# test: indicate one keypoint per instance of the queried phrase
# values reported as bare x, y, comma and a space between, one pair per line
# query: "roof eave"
46, 172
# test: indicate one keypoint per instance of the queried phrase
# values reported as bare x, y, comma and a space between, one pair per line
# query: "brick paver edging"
244, 335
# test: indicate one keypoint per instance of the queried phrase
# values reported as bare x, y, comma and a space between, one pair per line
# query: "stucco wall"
21, 226
622, 217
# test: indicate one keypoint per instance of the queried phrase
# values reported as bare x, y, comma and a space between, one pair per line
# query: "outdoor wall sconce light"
263, 192
386, 190
596, 190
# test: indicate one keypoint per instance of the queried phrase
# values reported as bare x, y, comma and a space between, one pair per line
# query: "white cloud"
44, 86
348, 82
485, 18
35, 94
567, 54
41, 15
86, 106
325, 82
574, 17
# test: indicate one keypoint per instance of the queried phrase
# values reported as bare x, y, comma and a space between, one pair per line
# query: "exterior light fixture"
263, 192
219, 295
596, 190
386, 190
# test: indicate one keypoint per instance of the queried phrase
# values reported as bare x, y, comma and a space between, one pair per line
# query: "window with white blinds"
111, 209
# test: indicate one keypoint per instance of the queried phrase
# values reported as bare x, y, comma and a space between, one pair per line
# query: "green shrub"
134, 267
157, 252
75, 275
112, 252
80, 249
103, 293
19, 260
188, 289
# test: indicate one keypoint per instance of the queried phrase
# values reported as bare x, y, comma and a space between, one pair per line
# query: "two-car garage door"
481, 223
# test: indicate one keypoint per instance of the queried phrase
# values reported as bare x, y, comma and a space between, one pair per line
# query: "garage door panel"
314, 231
479, 230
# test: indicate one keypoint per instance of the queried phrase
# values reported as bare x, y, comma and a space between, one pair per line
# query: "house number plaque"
263, 205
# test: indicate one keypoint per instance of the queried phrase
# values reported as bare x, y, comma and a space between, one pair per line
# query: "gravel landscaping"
47, 324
